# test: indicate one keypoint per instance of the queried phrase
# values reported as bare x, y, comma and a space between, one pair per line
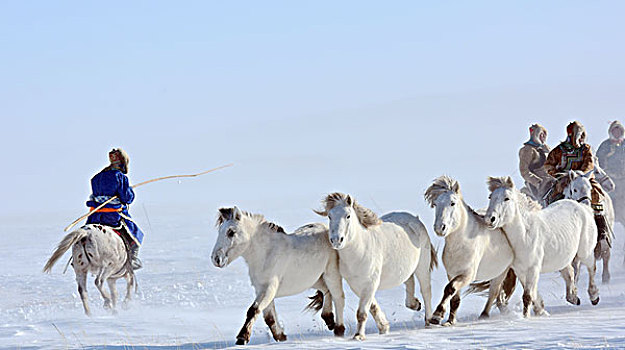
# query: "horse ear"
224, 215
237, 213
456, 187
509, 182
571, 176
349, 200
587, 175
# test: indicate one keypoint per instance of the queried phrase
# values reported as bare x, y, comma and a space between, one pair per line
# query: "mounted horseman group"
560, 220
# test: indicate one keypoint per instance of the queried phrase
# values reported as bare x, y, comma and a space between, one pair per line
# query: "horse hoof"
483, 316
595, 302
280, 337
415, 304
241, 341
574, 300
329, 320
605, 280
435, 320
449, 323
384, 329
339, 330
359, 337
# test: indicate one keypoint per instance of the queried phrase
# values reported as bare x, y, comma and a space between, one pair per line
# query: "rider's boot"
603, 230
135, 262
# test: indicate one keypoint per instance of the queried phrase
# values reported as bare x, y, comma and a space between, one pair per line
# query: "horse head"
579, 187
502, 204
444, 195
232, 239
345, 214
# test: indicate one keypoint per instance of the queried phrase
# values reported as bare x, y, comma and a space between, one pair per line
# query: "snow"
186, 303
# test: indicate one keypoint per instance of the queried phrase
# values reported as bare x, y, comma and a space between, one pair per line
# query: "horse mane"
471, 211
439, 186
366, 216
230, 214
525, 201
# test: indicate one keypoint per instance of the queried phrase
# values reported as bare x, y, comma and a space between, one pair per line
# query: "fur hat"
535, 130
119, 159
614, 125
576, 132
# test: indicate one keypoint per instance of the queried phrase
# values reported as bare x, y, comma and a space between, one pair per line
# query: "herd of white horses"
514, 238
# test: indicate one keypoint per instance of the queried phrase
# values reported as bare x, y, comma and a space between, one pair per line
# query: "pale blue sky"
372, 98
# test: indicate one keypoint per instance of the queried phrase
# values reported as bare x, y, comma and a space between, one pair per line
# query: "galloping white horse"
578, 188
280, 264
379, 254
100, 250
543, 240
472, 251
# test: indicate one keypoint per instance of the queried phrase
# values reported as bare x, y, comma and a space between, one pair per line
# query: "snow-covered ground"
187, 303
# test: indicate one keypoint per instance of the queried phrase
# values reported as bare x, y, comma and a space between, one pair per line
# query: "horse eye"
489, 196
453, 203
230, 233
507, 199
575, 190
348, 216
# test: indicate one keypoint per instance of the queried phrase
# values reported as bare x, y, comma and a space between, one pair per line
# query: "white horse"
472, 251
280, 264
379, 254
578, 188
543, 240
98, 249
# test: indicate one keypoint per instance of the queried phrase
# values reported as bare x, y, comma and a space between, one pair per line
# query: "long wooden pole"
137, 185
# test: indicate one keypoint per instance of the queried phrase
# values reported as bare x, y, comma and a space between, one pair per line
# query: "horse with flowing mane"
472, 251
577, 187
280, 264
98, 249
543, 240
379, 253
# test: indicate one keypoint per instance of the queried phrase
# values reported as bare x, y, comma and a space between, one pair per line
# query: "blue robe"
104, 185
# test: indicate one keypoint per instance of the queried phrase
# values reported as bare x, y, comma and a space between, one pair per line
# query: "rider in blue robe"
112, 181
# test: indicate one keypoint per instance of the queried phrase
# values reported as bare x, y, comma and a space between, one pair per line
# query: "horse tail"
433, 257
67, 242
478, 287
316, 302
509, 284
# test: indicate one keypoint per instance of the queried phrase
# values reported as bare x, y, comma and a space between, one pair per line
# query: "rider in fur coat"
532, 157
611, 153
112, 181
575, 154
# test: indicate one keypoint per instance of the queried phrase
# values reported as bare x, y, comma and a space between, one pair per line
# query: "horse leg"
99, 283
593, 290
571, 289
263, 299
334, 282
425, 286
114, 295
576, 267
81, 279
508, 286
531, 290
271, 319
454, 304
364, 305
326, 302
379, 317
130, 284
411, 301
605, 275
493, 293
454, 285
